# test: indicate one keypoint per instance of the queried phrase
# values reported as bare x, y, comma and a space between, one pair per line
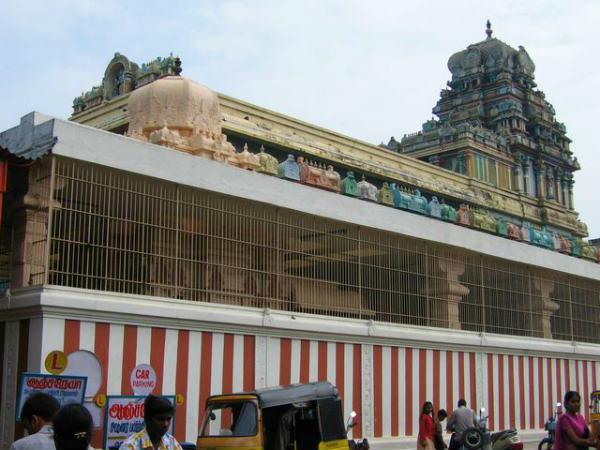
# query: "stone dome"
179, 104
490, 55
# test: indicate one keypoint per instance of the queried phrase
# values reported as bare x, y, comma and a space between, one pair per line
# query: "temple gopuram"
231, 248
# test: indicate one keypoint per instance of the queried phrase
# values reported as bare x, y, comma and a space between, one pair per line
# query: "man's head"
441, 415
158, 413
462, 402
38, 410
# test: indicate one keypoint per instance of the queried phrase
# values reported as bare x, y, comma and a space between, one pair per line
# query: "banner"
65, 388
124, 416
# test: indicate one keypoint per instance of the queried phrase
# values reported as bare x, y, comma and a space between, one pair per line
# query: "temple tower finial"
488, 29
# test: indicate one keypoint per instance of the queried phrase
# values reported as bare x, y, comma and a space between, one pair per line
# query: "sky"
367, 69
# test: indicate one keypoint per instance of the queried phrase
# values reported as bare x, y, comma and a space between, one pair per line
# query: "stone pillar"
550, 195
540, 174
543, 305
447, 291
519, 176
468, 158
526, 181
570, 183
563, 190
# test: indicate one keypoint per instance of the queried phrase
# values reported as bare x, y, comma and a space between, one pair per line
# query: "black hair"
156, 406
462, 402
569, 395
425, 405
72, 427
40, 404
442, 413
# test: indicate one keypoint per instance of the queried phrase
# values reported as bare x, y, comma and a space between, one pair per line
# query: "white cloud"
365, 69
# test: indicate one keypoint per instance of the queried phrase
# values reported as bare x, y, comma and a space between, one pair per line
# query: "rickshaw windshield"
231, 419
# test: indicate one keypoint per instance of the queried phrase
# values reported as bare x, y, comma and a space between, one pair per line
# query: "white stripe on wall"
313, 373
170, 362
295, 363
115, 359
193, 388
87, 336
238, 363
273, 355
144, 339
216, 378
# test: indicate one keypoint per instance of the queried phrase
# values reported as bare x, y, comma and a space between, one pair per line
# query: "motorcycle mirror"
353, 414
559, 404
481, 411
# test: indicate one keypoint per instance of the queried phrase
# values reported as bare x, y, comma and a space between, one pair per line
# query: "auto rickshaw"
295, 417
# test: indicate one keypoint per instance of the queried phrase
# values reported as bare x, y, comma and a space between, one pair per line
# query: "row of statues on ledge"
392, 194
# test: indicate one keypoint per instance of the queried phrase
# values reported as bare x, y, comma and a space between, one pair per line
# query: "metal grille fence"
120, 232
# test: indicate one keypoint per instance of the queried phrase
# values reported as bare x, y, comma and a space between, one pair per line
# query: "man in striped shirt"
158, 413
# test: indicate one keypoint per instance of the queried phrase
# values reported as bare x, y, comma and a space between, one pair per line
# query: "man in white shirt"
36, 416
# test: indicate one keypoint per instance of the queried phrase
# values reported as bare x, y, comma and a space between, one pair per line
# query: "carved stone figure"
434, 208
483, 220
246, 160
310, 173
349, 185
332, 178
463, 216
502, 227
588, 251
526, 232
268, 163
448, 212
576, 246
514, 232
289, 169
418, 203
565, 245
367, 190
385, 196
400, 196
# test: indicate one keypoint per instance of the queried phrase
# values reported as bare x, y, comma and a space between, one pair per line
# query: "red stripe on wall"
473, 380
339, 368
377, 391
422, 377
249, 343
322, 361
511, 392
357, 389
549, 407
557, 383
129, 357
577, 385
541, 409
181, 381
408, 389
395, 393
157, 356
101, 346
501, 387
461, 375
227, 380
491, 385
522, 375
22, 360
71, 343
449, 382
436, 380
304, 361
531, 394
205, 370
586, 390
227, 376
285, 361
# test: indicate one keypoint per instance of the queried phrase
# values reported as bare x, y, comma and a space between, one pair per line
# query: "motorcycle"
480, 438
355, 444
550, 426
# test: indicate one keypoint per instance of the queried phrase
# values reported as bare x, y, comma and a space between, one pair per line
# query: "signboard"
595, 405
66, 389
124, 415
56, 362
143, 379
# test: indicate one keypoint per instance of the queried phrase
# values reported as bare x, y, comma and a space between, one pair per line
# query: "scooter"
550, 426
355, 444
480, 438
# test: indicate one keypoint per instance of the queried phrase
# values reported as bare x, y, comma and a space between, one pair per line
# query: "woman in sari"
426, 428
572, 432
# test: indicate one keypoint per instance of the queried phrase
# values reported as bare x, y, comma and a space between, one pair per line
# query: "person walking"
158, 413
572, 432
73, 425
426, 428
460, 419
36, 416
438, 438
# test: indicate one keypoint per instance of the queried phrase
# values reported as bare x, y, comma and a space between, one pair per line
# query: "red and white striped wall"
386, 385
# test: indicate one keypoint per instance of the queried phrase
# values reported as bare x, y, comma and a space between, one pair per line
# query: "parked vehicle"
480, 438
296, 417
550, 426
355, 444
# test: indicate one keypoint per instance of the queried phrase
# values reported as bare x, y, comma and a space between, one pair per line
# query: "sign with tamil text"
124, 415
65, 388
